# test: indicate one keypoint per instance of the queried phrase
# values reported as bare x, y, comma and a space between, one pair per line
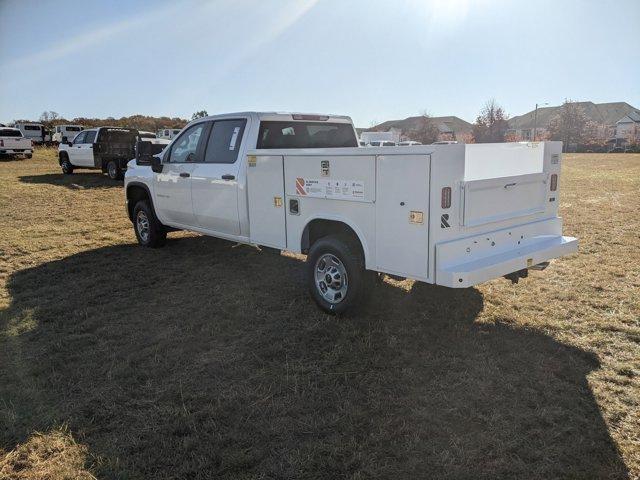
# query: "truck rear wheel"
114, 171
336, 277
149, 231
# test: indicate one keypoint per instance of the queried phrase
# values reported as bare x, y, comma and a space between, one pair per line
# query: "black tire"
349, 255
114, 171
155, 235
29, 155
65, 164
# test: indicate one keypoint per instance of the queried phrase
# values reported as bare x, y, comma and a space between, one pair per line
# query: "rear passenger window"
90, 136
224, 141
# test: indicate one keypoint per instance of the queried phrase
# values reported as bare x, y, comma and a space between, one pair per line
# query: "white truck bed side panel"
333, 196
402, 215
265, 186
351, 178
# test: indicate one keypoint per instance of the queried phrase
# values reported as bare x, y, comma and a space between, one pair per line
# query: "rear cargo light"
298, 116
445, 201
554, 182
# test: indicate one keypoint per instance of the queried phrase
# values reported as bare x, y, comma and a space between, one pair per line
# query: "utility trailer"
453, 215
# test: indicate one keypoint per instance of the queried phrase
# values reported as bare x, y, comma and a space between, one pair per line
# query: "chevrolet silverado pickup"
453, 215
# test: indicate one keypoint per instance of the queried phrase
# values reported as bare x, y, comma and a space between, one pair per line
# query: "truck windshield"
292, 134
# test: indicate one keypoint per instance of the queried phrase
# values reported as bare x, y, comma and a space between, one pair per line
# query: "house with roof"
449, 127
628, 128
604, 115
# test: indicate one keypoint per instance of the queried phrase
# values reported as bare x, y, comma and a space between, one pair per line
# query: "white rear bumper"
475, 271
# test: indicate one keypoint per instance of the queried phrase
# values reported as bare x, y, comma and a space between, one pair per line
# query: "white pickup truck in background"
452, 215
13, 143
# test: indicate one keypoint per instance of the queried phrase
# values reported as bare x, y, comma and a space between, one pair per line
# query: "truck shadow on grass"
201, 360
76, 181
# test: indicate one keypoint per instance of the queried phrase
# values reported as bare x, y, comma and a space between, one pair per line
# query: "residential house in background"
449, 128
628, 129
604, 115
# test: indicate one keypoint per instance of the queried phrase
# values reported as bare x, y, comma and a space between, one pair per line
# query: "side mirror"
65, 139
156, 164
145, 155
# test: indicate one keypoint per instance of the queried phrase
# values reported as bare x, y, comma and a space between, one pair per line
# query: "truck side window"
224, 141
185, 149
90, 136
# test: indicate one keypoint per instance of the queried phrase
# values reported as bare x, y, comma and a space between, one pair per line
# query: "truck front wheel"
149, 231
66, 166
335, 273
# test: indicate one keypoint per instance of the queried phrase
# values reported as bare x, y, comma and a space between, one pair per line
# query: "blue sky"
373, 60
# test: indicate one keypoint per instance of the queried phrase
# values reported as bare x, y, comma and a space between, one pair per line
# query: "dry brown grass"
201, 360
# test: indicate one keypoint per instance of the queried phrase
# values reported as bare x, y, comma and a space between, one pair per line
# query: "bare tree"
49, 118
425, 131
572, 126
491, 125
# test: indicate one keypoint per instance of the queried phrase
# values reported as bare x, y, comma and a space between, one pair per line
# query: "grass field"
207, 360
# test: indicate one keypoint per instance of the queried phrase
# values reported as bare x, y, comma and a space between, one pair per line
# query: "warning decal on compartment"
324, 188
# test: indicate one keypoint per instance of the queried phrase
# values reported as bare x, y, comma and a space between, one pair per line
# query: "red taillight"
445, 199
554, 182
32, 143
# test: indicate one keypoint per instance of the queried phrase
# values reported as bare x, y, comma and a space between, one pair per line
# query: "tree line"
51, 119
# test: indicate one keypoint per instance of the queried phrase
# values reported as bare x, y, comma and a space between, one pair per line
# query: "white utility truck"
68, 131
13, 143
33, 131
453, 215
106, 148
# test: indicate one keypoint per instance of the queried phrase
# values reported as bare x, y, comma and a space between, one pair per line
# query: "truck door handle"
228, 177
509, 185
185, 174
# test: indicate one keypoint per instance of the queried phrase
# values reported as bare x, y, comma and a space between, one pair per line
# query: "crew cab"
452, 215
12, 143
106, 148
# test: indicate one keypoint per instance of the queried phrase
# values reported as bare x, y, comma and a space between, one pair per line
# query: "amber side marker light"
445, 199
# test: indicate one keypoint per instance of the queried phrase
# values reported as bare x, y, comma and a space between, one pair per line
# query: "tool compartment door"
402, 215
265, 185
496, 199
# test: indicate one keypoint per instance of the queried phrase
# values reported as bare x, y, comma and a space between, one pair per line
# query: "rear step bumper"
481, 270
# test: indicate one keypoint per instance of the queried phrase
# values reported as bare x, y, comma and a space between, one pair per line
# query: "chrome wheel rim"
65, 166
331, 278
112, 170
142, 223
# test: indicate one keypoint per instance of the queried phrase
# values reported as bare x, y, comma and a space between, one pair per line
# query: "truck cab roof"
279, 116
